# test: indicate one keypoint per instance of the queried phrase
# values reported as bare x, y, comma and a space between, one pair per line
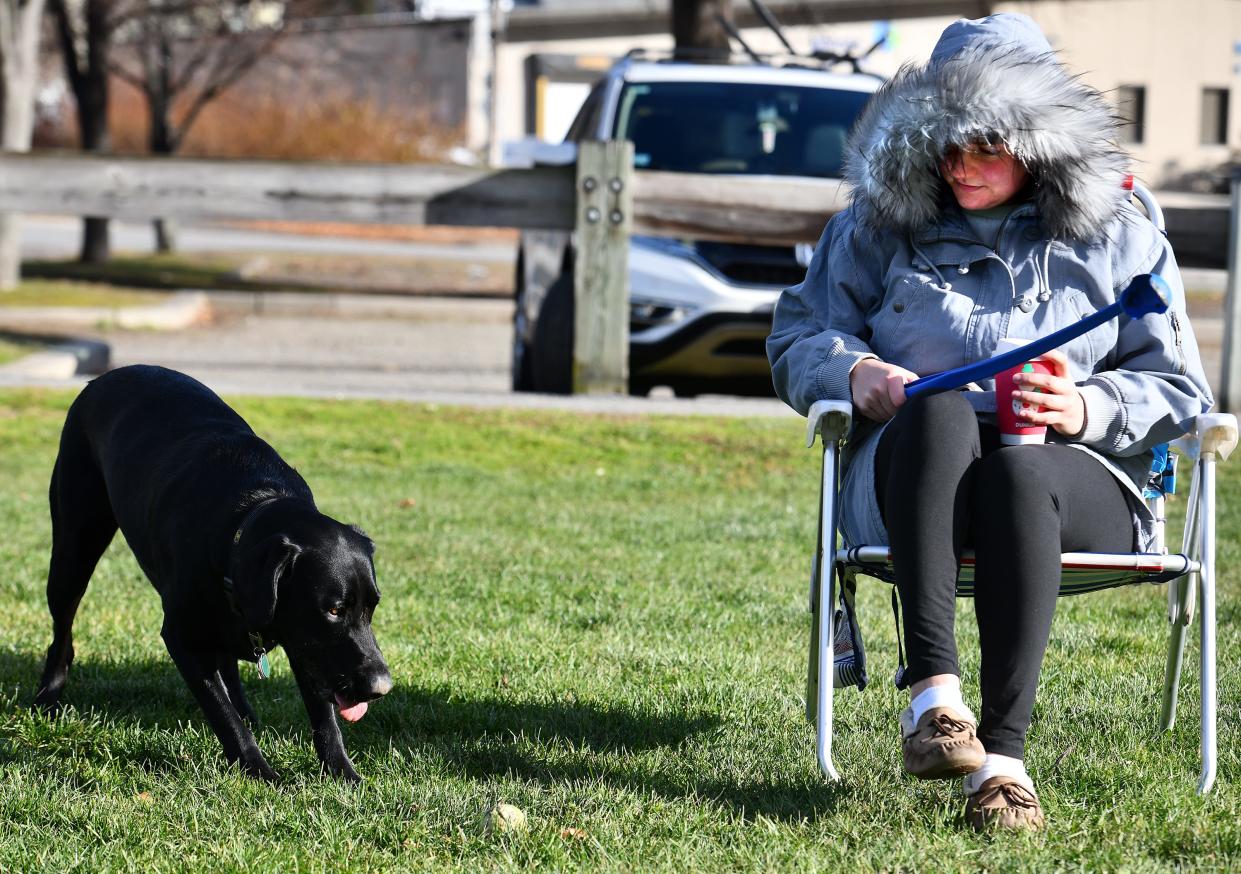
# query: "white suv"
700, 311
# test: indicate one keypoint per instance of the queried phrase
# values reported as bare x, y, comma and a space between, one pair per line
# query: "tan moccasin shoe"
1004, 803
941, 745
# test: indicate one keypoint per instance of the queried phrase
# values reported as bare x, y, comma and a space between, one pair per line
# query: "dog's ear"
369, 544
262, 568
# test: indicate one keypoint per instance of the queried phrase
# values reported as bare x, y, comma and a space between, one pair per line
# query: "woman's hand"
878, 388
1063, 407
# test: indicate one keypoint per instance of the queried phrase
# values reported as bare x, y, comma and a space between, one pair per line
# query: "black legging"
945, 482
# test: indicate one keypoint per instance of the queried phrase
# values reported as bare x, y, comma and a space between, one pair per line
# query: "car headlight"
645, 314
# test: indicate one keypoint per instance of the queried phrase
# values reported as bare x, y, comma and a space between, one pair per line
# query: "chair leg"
824, 715
1177, 618
1181, 594
827, 603
1206, 618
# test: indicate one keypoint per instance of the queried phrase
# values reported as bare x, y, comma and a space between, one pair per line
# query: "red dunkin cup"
1013, 431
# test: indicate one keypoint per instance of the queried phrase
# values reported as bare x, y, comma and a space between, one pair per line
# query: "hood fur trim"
1061, 129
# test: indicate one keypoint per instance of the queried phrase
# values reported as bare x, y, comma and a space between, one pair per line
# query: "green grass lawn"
11, 350
600, 620
173, 271
71, 293
283, 271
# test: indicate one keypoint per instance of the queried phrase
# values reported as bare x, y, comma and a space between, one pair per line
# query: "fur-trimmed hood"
995, 75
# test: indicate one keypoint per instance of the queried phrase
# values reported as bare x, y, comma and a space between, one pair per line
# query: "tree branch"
119, 70
220, 81
68, 44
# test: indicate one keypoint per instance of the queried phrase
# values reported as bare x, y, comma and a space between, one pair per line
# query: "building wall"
1174, 49
413, 68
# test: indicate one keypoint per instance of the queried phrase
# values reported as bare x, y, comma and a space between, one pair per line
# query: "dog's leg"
82, 528
236, 694
202, 675
326, 730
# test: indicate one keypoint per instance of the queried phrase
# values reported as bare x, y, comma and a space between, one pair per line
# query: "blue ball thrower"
1148, 293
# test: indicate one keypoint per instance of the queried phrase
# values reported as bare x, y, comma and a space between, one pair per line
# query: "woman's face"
982, 175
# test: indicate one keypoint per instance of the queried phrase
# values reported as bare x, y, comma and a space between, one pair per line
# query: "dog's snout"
380, 686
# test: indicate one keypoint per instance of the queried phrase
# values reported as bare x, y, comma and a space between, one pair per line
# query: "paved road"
379, 348
60, 237
444, 350
426, 349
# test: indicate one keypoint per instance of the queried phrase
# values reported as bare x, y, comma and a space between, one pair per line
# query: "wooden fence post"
1230, 378
601, 271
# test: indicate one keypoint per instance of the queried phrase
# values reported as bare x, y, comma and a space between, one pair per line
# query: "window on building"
1214, 116
1131, 107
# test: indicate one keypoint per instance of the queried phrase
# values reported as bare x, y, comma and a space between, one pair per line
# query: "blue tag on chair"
1162, 478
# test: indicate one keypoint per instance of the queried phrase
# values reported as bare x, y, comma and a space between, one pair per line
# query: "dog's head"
308, 581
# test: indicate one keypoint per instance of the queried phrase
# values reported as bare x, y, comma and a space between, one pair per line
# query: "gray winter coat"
900, 275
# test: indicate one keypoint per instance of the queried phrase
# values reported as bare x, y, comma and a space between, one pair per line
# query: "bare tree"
186, 53
698, 28
19, 47
84, 29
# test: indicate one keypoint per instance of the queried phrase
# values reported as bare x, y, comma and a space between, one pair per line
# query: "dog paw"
46, 704
259, 769
342, 770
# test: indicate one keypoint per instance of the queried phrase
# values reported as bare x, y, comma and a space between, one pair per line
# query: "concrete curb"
183, 309
421, 307
64, 360
604, 405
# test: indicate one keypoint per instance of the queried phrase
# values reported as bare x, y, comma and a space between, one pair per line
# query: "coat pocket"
922, 321
1068, 307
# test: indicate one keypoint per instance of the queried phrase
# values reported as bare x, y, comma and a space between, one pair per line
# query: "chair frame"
1212, 439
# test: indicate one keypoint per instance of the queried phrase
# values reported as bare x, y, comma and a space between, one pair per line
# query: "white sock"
998, 766
939, 696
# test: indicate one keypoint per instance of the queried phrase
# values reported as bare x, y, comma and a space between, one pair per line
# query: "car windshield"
710, 127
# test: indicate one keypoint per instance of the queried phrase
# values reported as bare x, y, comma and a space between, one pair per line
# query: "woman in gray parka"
988, 201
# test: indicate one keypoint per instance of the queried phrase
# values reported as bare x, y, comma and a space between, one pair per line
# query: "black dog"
229, 535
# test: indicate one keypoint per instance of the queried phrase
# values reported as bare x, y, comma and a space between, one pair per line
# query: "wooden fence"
601, 199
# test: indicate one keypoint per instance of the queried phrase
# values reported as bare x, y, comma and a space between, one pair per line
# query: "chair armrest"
832, 420
1217, 434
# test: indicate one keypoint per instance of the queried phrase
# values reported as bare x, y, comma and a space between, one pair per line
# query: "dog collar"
256, 640
257, 643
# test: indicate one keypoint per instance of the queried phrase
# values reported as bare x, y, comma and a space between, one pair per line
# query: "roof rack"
817, 61
825, 59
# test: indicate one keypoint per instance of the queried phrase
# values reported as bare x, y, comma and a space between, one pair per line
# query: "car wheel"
550, 353
522, 378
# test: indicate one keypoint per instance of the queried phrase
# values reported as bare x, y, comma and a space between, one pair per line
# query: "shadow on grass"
583, 742
482, 737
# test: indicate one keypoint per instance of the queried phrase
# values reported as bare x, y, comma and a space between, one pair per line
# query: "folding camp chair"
1213, 437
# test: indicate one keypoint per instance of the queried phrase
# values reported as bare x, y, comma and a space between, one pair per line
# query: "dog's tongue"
350, 713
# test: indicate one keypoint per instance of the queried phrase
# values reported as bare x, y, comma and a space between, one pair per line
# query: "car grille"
748, 348
753, 265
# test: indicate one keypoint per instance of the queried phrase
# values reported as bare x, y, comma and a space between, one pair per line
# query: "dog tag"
264, 665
